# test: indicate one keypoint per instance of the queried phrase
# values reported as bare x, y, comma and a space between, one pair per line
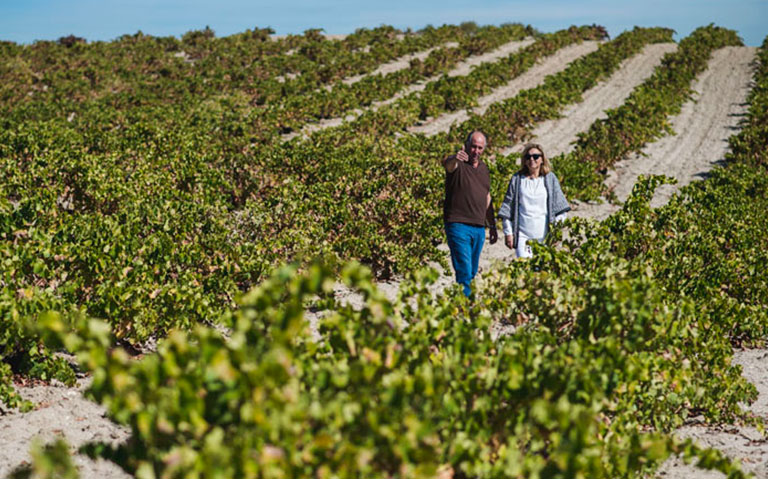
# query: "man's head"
475, 145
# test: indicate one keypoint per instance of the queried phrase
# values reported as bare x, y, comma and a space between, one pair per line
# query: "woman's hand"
508, 241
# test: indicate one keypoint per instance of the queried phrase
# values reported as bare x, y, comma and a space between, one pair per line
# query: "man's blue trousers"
465, 242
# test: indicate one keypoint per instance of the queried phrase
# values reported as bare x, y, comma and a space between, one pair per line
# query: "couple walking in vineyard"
532, 202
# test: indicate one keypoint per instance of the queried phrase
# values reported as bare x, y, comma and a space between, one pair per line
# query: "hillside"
152, 183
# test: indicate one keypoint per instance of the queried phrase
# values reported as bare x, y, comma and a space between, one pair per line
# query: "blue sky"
25, 21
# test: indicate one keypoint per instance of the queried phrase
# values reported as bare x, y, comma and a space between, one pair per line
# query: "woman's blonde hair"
545, 167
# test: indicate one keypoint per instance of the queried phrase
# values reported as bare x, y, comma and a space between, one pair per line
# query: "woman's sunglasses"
532, 156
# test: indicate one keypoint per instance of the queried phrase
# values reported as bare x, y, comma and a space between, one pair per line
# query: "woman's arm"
505, 210
560, 205
508, 233
506, 225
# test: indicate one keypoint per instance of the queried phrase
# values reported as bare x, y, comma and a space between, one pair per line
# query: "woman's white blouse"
532, 210
533, 207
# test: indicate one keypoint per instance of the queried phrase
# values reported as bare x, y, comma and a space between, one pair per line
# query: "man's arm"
451, 162
490, 220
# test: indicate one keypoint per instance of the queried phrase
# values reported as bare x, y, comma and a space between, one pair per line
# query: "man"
467, 208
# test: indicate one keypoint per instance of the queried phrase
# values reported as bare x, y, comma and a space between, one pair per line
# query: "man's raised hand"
462, 156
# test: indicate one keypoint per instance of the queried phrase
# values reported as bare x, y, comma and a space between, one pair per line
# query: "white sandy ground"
338, 37
463, 68
293, 51
61, 412
557, 136
394, 65
398, 63
532, 77
746, 444
702, 130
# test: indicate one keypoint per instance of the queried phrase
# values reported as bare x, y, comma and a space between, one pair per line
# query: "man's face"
476, 147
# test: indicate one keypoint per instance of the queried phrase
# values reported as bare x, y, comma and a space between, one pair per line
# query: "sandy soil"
462, 68
534, 76
557, 135
60, 412
743, 443
398, 63
394, 65
329, 37
702, 129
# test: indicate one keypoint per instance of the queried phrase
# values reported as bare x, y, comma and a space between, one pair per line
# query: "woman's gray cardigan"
556, 202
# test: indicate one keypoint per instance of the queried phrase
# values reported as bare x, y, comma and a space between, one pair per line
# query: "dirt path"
743, 443
557, 136
384, 69
392, 66
398, 63
462, 68
702, 130
534, 76
60, 412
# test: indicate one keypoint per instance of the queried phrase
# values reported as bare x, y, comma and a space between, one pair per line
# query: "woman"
534, 199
